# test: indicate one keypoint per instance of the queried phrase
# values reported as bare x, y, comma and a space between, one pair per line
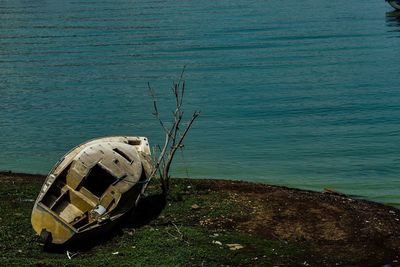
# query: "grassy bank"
215, 223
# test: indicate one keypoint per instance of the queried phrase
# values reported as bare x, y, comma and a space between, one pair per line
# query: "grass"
186, 233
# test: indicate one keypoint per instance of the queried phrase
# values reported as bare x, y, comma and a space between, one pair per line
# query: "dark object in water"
394, 3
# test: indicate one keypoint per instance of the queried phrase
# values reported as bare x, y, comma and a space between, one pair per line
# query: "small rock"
234, 246
19, 250
333, 192
195, 207
217, 242
115, 253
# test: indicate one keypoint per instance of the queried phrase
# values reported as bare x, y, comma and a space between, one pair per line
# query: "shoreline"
41, 177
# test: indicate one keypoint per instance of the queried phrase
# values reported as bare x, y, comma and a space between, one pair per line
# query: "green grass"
176, 238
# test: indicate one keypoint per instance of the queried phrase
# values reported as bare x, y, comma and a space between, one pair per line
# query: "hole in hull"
98, 181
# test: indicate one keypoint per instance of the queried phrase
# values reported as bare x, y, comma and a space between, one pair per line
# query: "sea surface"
298, 93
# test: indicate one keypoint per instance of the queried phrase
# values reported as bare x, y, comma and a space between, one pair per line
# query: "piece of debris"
333, 192
217, 242
71, 255
115, 253
92, 187
195, 207
234, 246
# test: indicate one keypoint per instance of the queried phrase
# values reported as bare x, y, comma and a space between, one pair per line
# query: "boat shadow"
149, 208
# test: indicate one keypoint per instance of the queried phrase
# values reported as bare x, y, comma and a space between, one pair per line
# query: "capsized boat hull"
91, 188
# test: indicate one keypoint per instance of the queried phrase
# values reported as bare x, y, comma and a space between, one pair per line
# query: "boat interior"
76, 199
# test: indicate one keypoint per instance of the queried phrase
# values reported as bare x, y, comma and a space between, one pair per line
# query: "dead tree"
174, 135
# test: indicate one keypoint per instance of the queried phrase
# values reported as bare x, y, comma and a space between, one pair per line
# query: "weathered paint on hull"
42, 219
92, 188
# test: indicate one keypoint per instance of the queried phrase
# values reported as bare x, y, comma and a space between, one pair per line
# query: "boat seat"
75, 175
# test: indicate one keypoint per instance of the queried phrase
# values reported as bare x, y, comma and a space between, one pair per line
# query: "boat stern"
49, 227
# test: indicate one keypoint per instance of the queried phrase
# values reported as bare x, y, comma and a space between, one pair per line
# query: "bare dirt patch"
340, 230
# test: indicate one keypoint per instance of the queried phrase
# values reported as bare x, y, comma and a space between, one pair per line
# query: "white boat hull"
91, 188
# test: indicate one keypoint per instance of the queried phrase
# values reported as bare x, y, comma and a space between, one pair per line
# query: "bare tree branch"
173, 136
178, 145
156, 113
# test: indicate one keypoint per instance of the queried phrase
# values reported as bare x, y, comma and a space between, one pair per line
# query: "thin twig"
156, 113
181, 235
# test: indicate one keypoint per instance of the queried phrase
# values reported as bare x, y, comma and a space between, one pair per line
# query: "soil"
350, 231
335, 229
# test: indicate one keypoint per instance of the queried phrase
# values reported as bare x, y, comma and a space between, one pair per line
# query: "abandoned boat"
394, 3
91, 188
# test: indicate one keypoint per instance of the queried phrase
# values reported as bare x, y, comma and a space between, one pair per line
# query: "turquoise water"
298, 93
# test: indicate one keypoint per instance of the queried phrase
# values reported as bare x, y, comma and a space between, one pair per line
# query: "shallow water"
306, 97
